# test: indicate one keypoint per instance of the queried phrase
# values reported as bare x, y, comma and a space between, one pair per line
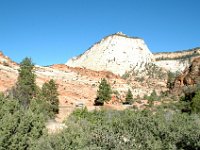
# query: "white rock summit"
117, 53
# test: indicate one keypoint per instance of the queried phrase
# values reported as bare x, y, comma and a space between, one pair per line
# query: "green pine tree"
50, 94
129, 97
26, 86
104, 93
153, 97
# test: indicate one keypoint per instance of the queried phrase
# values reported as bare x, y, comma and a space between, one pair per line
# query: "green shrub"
152, 97
104, 93
50, 95
129, 97
19, 128
126, 130
195, 104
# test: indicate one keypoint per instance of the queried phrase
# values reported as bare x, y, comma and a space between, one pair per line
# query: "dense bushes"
195, 104
24, 111
190, 101
19, 128
127, 130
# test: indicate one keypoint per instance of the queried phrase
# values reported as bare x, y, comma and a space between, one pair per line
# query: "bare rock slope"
117, 53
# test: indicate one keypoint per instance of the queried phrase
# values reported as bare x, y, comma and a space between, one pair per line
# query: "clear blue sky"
52, 31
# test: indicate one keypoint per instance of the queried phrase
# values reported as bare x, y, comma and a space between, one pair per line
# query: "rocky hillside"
117, 53
189, 79
79, 86
184, 54
6, 61
176, 61
125, 62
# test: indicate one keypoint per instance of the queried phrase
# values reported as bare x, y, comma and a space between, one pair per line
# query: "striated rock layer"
178, 54
176, 61
117, 53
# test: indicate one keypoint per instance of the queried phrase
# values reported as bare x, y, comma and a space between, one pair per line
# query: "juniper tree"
104, 92
50, 94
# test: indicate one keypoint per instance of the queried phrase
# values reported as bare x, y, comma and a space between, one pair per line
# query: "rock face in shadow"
189, 78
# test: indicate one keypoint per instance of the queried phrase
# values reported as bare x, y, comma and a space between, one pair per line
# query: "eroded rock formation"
117, 53
190, 77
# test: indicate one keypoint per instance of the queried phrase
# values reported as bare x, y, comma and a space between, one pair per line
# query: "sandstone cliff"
176, 61
184, 54
189, 78
117, 53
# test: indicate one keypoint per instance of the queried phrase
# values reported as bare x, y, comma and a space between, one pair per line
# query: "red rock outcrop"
189, 77
86, 72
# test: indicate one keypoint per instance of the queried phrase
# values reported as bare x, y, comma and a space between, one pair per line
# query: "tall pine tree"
26, 86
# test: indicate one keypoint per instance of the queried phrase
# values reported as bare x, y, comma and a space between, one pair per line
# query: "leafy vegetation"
190, 102
153, 71
50, 94
104, 92
25, 110
129, 97
127, 129
19, 127
195, 104
26, 86
152, 97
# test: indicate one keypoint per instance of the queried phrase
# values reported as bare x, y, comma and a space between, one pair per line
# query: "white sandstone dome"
117, 53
